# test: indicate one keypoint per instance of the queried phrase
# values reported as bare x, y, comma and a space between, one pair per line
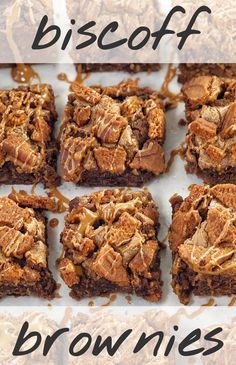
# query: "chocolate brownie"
210, 145
202, 239
27, 147
110, 245
23, 247
127, 67
188, 71
112, 136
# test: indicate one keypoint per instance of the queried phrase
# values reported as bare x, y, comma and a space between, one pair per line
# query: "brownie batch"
114, 136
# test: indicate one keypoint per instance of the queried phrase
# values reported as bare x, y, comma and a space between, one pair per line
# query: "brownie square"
202, 239
116, 67
112, 136
23, 247
110, 245
27, 147
210, 145
188, 71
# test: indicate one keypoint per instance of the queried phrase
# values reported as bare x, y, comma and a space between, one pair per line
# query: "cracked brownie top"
211, 112
203, 230
27, 115
111, 235
114, 130
23, 247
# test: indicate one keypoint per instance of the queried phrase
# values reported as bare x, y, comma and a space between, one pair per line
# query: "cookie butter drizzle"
80, 78
110, 301
179, 151
232, 302
174, 99
23, 73
210, 303
62, 205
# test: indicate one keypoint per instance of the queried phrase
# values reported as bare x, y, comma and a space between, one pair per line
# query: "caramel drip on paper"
32, 191
62, 200
79, 78
110, 301
183, 312
53, 223
129, 299
179, 151
23, 73
67, 316
232, 302
174, 99
210, 303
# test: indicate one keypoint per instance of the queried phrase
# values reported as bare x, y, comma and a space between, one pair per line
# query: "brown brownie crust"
210, 145
112, 136
115, 67
27, 147
202, 239
23, 247
188, 71
110, 245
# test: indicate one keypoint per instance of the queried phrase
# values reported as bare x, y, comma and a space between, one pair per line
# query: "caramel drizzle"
23, 73
232, 302
179, 151
91, 303
62, 205
174, 99
210, 303
110, 301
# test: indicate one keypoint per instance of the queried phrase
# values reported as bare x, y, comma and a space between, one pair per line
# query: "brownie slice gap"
27, 148
202, 239
210, 145
116, 67
188, 71
110, 245
23, 247
112, 136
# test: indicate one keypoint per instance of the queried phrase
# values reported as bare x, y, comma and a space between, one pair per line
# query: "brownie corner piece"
27, 148
110, 245
23, 249
112, 136
202, 239
210, 145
